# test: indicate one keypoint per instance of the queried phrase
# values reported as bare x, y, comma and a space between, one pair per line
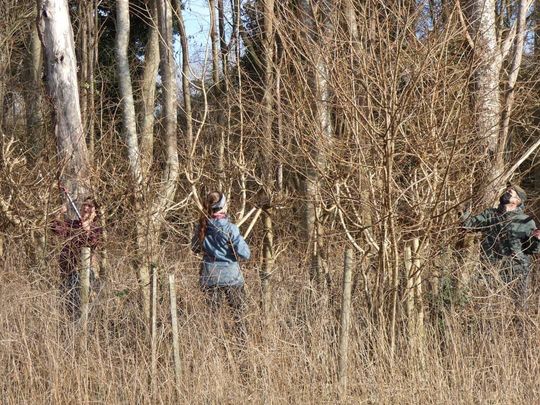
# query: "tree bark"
517, 56
148, 93
33, 93
61, 68
133, 153
126, 92
186, 92
488, 62
171, 171
214, 42
321, 101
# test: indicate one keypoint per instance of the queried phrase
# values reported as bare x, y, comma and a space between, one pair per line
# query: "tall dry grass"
470, 355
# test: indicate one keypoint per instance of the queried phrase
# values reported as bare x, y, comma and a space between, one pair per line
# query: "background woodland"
352, 133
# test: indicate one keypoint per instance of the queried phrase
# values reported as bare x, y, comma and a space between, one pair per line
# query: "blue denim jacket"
222, 248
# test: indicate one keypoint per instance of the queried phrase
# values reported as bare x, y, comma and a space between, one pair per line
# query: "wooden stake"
345, 319
85, 286
268, 263
174, 325
153, 327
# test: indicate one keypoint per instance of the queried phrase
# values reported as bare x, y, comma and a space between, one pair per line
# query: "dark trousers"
511, 278
236, 299
70, 289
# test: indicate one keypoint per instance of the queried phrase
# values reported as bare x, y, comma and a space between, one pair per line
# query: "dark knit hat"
520, 192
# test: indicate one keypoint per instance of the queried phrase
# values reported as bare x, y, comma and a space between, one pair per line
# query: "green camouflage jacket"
506, 234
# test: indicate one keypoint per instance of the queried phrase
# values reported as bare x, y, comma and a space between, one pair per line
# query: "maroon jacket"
75, 238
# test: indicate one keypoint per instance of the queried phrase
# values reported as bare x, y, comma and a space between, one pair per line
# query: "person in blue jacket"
222, 247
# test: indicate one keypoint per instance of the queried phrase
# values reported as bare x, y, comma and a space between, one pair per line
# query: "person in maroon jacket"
84, 232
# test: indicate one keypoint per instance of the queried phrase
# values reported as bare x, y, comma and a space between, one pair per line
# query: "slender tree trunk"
170, 174
223, 45
224, 116
133, 154
517, 56
88, 43
93, 42
321, 97
186, 91
126, 92
148, 90
82, 49
214, 42
33, 93
268, 161
237, 35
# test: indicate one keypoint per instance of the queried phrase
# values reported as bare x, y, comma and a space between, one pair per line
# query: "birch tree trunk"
488, 63
61, 69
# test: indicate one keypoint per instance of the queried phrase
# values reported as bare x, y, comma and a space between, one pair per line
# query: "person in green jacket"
509, 239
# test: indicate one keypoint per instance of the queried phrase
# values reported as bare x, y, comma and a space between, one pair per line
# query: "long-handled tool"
71, 202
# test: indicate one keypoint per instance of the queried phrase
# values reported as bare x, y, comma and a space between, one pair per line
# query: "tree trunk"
223, 45
214, 42
186, 92
488, 62
170, 174
61, 68
515, 65
133, 154
126, 92
321, 100
88, 50
148, 93
33, 93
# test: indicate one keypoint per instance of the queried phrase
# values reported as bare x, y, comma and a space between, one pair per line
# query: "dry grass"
468, 357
